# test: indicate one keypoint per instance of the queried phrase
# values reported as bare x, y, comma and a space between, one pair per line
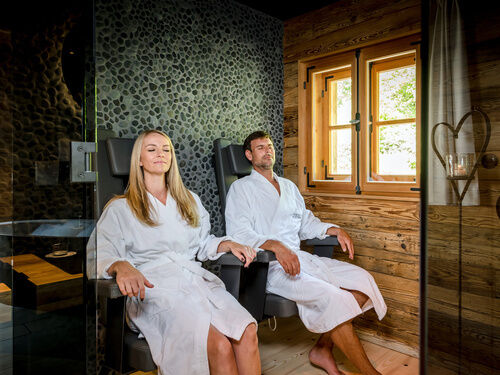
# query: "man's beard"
266, 166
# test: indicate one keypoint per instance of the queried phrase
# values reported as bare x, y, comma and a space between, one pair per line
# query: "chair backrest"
124, 351
230, 164
113, 161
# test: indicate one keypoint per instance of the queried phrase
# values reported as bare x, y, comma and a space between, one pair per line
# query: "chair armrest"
265, 256
323, 248
229, 259
108, 288
328, 241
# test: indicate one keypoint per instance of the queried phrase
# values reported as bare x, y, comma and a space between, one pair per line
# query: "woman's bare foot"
322, 356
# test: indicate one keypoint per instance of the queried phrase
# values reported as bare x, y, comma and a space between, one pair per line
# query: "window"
392, 124
337, 124
358, 121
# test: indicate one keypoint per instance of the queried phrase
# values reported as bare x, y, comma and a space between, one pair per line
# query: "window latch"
356, 122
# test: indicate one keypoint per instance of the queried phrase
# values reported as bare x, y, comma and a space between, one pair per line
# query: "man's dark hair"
255, 135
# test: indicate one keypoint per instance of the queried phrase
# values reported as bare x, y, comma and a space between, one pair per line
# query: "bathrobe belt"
194, 267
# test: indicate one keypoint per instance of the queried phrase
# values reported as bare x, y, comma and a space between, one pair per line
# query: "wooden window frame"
308, 161
376, 123
386, 51
329, 112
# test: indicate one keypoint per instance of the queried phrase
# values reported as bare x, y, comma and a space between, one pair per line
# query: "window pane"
397, 149
343, 101
340, 152
397, 92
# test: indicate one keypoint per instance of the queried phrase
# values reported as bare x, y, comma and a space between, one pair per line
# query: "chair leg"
115, 313
253, 289
323, 251
231, 276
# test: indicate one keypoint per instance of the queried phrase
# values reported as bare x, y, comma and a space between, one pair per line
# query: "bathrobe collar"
257, 176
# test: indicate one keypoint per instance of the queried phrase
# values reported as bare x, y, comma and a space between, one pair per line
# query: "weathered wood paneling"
386, 240
347, 24
385, 232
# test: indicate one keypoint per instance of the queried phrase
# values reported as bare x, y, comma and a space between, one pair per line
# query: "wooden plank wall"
480, 336
385, 231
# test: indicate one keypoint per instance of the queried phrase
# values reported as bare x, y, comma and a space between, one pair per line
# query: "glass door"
47, 187
462, 214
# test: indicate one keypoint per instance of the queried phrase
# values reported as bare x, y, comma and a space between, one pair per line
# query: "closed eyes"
153, 150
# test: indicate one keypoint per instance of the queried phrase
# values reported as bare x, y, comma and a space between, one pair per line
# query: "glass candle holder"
459, 165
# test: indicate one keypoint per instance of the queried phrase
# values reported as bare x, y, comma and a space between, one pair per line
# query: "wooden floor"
285, 351
39, 271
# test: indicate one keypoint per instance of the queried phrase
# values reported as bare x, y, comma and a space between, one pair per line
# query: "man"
266, 211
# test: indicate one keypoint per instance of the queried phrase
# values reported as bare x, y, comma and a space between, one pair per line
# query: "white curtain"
449, 101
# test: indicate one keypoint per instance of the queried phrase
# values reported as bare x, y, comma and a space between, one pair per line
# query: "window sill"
392, 197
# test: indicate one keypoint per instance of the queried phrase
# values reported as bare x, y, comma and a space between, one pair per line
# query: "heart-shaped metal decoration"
455, 131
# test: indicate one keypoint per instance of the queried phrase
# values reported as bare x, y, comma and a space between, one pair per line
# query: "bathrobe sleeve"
208, 242
110, 242
240, 222
311, 226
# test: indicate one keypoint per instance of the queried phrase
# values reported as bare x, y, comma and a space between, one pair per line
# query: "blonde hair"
136, 193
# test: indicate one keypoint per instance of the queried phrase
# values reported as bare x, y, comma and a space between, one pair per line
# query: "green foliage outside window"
397, 100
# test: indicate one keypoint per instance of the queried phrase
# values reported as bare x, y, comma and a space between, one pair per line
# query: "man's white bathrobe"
176, 314
256, 212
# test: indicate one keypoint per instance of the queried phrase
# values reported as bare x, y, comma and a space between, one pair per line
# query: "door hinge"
81, 163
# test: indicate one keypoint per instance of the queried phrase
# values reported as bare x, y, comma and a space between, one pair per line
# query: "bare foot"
322, 356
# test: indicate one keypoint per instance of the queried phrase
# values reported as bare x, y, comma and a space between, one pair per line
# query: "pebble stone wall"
7, 86
198, 70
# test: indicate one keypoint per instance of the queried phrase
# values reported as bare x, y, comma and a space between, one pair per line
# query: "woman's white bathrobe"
176, 314
255, 213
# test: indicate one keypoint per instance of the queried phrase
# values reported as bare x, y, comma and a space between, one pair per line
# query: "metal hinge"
80, 162
307, 75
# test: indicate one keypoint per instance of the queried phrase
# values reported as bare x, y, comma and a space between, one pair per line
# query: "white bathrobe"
176, 314
256, 212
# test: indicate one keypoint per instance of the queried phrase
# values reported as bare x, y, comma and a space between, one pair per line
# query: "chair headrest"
238, 162
119, 153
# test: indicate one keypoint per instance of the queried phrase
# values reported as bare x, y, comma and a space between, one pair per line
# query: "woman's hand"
244, 253
129, 279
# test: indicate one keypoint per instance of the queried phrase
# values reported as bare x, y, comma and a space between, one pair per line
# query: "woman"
149, 238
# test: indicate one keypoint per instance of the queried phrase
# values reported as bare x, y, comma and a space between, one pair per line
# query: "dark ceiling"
285, 10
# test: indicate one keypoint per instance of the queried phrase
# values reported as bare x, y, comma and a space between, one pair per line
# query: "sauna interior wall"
385, 231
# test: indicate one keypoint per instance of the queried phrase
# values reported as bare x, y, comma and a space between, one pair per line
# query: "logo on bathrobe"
296, 216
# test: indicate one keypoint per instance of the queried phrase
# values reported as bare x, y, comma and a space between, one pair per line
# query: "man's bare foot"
322, 356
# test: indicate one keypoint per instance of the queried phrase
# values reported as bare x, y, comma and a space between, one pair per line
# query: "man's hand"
129, 279
286, 257
244, 253
344, 240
